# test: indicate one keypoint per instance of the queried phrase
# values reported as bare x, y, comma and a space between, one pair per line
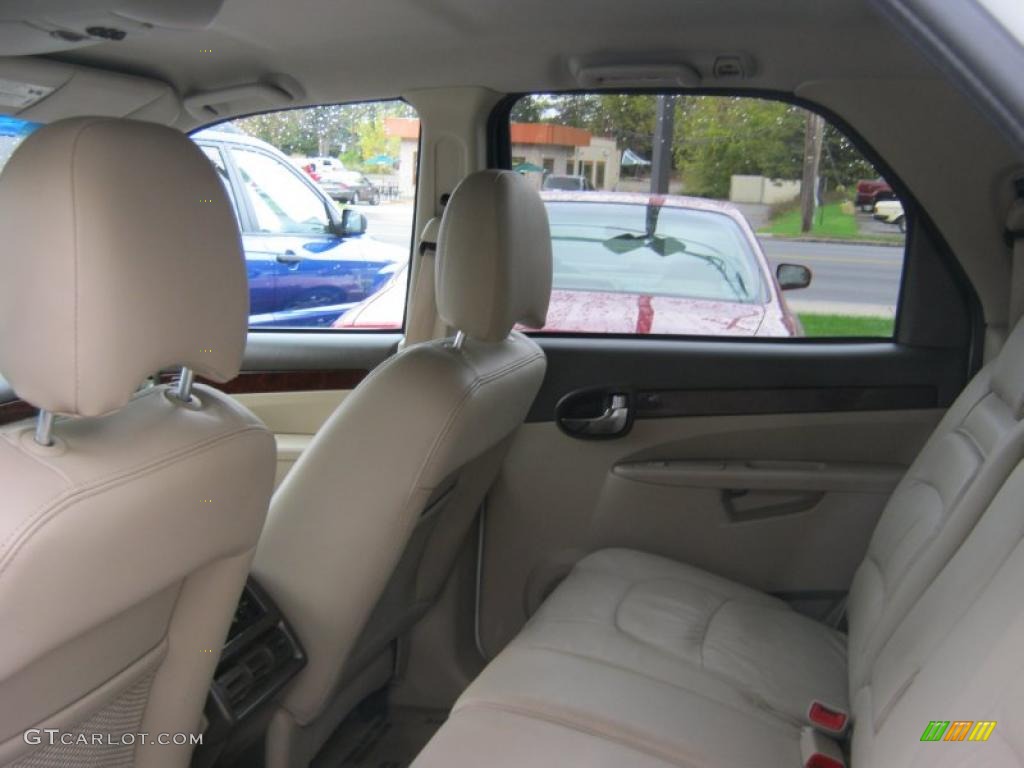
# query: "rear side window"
709, 216
324, 201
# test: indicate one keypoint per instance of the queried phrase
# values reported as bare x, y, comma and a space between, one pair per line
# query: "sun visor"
43, 91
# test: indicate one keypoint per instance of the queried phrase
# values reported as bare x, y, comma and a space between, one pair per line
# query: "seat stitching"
971, 440
757, 702
707, 628
477, 383
53, 507
635, 743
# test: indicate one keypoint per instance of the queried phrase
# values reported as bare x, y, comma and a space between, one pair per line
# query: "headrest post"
458, 341
44, 427
183, 392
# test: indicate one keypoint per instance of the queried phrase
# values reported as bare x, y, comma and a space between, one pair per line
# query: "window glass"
282, 203
691, 216
324, 198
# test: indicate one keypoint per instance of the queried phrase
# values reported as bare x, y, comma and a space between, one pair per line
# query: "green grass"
829, 221
846, 325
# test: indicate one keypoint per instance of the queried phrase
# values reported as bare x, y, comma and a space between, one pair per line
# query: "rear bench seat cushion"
681, 625
590, 705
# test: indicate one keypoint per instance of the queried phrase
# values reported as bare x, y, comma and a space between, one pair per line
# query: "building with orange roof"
553, 149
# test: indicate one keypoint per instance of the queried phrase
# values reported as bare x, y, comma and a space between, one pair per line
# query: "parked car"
328, 172
637, 263
353, 187
891, 212
567, 183
308, 261
872, 191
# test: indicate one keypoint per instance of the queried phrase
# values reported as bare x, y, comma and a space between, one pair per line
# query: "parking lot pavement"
867, 224
756, 213
389, 222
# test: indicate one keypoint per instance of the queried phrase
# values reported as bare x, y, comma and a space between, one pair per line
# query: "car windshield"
651, 249
562, 182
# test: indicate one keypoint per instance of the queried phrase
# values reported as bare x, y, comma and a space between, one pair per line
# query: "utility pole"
661, 156
814, 133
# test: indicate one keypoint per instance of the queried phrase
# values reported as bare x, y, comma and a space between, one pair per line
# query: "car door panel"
766, 463
294, 381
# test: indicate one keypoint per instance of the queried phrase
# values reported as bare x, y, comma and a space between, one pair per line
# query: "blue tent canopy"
631, 158
13, 126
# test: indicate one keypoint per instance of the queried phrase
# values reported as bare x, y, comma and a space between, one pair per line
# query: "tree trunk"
814, 133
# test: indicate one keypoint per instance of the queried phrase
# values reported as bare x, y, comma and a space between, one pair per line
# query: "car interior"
605, 426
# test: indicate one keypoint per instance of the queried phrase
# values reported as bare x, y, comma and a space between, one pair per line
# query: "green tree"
842, 164
717, 137
373, 139
330, 130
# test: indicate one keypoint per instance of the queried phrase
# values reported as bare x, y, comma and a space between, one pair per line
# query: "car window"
281, 202
709, 216
325, 201
635, 248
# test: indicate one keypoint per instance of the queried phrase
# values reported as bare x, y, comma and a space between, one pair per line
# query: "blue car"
307, 261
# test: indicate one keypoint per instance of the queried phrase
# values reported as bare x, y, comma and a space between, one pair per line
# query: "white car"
891, 212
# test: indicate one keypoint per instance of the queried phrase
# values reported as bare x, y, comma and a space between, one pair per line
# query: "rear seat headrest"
493, 256
121, 258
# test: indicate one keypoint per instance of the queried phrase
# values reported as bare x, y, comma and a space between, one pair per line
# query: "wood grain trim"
748, 402
245, 383
16, 410
249, 382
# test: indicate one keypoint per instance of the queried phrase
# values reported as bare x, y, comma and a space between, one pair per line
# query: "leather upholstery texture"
494, 256
641, 652
125, 543
364, 530
123, 257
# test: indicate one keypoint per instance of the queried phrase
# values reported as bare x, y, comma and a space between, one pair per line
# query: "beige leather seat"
363, 532
128, 525
675, 664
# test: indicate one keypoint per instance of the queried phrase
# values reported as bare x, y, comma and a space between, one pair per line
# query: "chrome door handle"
612, 422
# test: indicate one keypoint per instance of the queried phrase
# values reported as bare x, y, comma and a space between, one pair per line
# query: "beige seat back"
372, 515
128, 525
938, 502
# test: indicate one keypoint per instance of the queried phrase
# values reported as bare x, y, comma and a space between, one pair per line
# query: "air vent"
280, 646
236, 684
259, 662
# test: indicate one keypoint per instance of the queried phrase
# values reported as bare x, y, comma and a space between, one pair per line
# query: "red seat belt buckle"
819, 751
818, 760
826, 718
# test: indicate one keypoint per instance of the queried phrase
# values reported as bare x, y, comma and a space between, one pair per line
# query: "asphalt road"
852, 279
847, 278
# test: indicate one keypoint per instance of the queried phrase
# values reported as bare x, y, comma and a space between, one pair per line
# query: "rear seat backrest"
937, 503
957, 654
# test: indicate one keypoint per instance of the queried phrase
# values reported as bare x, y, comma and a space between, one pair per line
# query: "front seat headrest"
121, 257
493, 256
